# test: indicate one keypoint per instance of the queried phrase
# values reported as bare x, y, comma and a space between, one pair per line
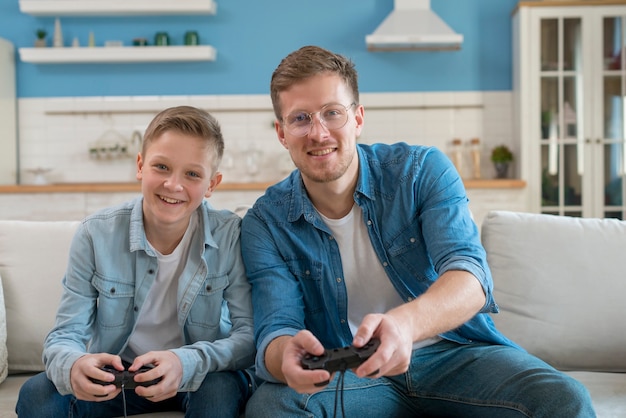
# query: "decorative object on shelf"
161, 39
75, 42
140, 42
92, 39
501, 156
457, 155
191, 38
40, 42
58, 33
475, 151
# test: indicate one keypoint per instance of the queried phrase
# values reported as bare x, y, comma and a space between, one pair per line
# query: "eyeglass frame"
322, 121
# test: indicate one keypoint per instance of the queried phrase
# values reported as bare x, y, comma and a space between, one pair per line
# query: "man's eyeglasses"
332, 116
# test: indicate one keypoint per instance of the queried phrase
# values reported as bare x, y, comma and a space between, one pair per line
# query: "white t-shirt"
368, 286
157, 323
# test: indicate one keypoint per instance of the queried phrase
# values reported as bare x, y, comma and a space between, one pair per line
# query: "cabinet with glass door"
570, 96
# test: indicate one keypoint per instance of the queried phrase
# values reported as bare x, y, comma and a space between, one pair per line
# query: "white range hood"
413, 26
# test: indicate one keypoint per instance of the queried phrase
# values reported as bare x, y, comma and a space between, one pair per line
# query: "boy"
157, 281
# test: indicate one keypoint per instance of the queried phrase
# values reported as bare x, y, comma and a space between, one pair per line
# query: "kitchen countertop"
134, 187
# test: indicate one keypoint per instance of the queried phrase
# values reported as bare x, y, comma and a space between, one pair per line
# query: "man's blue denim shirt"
110, 270
416, 210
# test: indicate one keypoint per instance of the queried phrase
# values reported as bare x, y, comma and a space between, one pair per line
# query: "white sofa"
560, 283
33, 258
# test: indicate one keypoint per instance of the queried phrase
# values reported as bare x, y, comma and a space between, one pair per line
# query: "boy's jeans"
221, 394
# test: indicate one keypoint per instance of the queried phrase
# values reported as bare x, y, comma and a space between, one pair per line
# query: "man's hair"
306, 62
191, 121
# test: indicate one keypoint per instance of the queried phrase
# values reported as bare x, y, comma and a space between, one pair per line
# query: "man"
365, 242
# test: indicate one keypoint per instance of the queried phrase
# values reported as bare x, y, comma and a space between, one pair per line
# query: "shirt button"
369, 223
208, 288
412, 240
343, 321
151, 271
135, 309
385, 264
112, 290
307, 272
338, 279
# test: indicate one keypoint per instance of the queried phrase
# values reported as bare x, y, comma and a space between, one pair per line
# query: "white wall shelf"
116, 7
78, 55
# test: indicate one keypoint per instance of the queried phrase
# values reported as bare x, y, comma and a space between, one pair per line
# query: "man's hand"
284, 356
89, 367
393, 355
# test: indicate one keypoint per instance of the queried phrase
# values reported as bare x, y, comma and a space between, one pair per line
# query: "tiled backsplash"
61, 134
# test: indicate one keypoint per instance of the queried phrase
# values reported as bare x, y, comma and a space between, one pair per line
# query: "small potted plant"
41, 38
501, 156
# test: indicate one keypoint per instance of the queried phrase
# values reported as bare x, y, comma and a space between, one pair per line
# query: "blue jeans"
444, 380
221, 394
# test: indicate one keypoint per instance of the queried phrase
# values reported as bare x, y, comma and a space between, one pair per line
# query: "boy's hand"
90, 367
166, 365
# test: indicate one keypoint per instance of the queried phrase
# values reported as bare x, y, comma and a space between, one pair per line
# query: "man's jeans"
221, 394
445, 379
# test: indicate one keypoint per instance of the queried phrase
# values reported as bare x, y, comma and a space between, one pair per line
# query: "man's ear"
280, 132
215, 181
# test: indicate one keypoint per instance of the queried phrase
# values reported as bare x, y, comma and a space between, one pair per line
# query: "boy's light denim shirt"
416, 211
110, 270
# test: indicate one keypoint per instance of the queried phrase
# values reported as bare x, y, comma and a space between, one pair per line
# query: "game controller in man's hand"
340, 359
125, 379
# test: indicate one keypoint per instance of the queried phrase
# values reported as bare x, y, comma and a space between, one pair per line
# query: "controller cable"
124, 399
339, 391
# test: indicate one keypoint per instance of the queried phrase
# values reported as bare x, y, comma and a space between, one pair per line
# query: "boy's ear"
139, 166
215, 181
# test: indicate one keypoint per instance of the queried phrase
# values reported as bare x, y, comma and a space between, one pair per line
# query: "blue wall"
252, 36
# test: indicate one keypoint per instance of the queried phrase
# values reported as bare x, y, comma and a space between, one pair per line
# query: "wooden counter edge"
134, 187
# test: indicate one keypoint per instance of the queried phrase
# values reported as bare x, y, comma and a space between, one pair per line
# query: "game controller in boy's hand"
340, 359
125, 379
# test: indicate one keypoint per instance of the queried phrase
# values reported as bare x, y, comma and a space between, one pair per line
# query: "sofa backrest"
33, 259
560, 283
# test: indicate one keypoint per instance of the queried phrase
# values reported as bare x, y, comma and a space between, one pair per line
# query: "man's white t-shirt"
368, 286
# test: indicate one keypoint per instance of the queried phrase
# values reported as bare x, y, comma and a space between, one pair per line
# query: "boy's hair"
191, 121
307, 62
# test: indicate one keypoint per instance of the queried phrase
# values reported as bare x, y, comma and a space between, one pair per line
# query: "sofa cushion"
33, 258
560, 284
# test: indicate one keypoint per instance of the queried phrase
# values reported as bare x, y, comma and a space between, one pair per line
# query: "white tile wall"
57, 133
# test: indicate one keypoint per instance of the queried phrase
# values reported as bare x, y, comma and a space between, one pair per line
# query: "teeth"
322, 152
168, 200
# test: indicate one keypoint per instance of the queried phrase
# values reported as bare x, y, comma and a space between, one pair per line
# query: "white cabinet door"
569, 93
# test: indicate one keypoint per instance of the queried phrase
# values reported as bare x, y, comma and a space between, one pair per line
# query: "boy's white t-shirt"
368, 286
157, 323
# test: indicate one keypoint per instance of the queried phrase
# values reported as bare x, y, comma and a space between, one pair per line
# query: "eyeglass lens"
332, 116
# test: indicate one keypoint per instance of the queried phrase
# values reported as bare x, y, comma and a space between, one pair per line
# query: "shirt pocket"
409, 256
207, 308
115, 302
309, 275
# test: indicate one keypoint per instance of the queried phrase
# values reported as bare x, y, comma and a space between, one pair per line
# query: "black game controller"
340, 359
125, 378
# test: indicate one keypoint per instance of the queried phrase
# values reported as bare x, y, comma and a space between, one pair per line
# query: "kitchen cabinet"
569, 88
117, 55
8, 114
